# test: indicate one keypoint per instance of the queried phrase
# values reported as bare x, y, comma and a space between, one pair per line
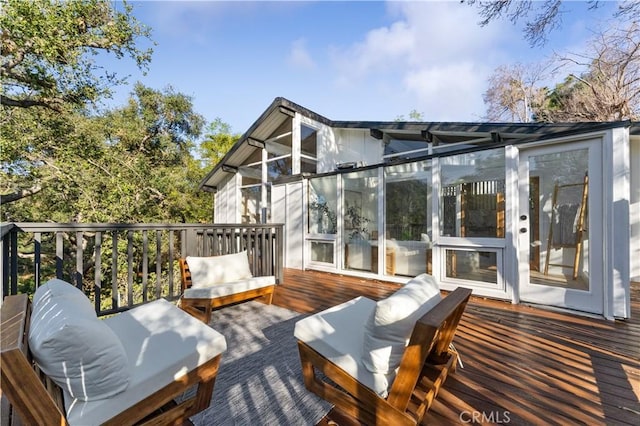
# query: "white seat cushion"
389, 326
337, 334
212, 270
227, 289
162, 343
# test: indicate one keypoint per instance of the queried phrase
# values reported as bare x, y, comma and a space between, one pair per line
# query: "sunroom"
531, 213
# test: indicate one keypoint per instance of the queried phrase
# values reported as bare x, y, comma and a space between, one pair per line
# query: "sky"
356, 60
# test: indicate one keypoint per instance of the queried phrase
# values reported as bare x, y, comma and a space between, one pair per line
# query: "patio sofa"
215, 281
61, 364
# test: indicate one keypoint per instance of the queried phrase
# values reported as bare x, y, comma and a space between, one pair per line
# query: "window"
280, 142
472, 196
408, 218
308, 149
308, 141
402, 149
479, 266
360, 219
251, 169
323, 204
278, 167
322, 251
250, 212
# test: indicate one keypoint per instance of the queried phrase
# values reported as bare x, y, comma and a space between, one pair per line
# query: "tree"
414, 115
218, 140
547, 14
513, 93
134, 164
49, 78
47, 49
608, 90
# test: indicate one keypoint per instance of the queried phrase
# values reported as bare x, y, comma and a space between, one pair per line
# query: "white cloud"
299, 56
437, 53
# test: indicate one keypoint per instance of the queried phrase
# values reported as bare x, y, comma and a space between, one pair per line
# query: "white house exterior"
532, 213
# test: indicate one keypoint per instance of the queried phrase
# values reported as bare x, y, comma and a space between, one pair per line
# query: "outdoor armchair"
369, 371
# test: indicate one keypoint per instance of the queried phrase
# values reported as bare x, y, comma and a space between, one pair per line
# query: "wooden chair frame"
426, 362
36, 399
201, 308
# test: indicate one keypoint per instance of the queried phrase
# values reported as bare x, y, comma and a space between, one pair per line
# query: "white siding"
294, 226
634, 209
226, 202
617, 237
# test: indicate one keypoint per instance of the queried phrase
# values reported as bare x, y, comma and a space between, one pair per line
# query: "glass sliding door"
360, 220
408, 249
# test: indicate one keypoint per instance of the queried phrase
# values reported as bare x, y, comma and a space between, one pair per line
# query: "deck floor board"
522, 364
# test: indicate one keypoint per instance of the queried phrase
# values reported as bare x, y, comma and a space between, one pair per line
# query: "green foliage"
132, 165
414, 115
48, 48
217, 142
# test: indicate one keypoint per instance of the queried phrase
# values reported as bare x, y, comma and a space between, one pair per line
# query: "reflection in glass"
308, 141
559, 238
280, 141
279, 167
472, 265
360, 219
323, 205
472, 202
322, 252
408, 218
250, 205
402, 149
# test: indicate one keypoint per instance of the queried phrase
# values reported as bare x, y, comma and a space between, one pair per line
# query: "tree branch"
27, 103
20, 194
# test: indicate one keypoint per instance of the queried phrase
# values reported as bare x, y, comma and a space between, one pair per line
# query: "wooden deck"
522, 365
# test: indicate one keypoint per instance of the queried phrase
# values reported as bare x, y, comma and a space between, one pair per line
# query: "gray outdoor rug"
260, 379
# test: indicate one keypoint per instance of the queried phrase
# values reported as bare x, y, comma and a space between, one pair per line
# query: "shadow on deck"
522, 365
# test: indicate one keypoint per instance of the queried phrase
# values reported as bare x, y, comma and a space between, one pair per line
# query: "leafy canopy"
48, 50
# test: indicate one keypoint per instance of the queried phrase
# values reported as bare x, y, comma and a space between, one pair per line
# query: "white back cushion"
388, 328
212, 270
73, 347
58, 288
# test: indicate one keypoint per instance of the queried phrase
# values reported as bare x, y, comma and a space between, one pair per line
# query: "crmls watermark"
498, 417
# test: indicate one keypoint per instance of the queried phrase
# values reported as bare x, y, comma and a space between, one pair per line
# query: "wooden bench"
31, 398
201, 302
427, 360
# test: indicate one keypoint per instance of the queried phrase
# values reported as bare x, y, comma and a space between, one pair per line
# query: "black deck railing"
120, 266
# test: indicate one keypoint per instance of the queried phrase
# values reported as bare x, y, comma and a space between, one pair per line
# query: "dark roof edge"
277, 103
568, 128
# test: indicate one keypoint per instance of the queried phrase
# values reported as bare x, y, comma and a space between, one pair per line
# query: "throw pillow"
212, 270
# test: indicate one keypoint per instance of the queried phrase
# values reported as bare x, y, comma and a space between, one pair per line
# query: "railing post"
9, 260
279, 255
191, 243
